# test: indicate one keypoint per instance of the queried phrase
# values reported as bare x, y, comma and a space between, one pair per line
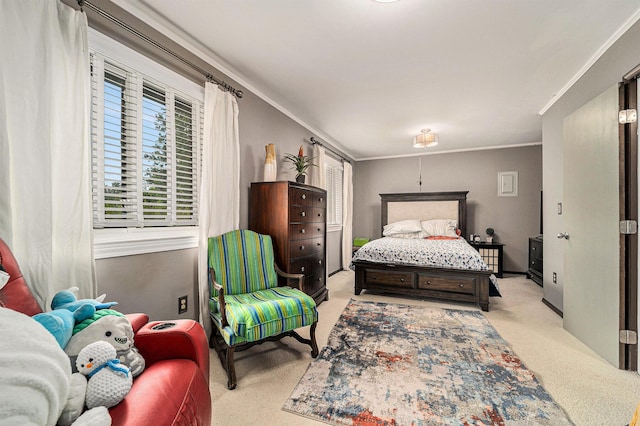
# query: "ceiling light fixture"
426, 139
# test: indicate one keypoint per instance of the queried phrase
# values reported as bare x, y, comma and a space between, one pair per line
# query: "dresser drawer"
450, 284
306, 214
319, 200
301, 197
300, 231
300, 248
395, 279
310, 265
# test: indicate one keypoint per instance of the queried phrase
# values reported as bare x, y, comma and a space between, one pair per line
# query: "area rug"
392, 364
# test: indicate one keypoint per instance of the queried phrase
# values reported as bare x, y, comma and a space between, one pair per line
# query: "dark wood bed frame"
424, 281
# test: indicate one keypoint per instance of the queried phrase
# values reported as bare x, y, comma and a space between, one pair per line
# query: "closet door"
591, 222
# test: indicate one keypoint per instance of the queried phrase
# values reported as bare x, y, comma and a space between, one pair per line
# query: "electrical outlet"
182, 304
555, 278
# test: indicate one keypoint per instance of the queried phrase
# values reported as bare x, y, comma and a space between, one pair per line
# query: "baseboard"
514, 272
553, 308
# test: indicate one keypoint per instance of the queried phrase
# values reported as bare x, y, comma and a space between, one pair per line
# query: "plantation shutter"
146, 150
334, 192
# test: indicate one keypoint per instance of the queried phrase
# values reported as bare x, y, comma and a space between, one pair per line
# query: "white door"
591, 214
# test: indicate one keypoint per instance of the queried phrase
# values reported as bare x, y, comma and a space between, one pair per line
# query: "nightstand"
491, 253
535, 260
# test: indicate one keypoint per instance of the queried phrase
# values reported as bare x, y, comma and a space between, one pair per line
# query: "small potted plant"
300, 163
490, 233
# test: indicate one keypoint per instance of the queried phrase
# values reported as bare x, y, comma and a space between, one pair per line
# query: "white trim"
116, 242
451, 151
607, 44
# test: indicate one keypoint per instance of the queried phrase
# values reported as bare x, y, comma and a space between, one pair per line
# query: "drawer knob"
302, 269
375, 277
302, 231
319, 262
319, 214
401, 280
461, 285
303, 214
319, 229
319, 244
301, 247
321, 199
428, 282
319, 279
303, 196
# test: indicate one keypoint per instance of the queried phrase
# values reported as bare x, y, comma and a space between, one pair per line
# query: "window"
146, 139
333, 171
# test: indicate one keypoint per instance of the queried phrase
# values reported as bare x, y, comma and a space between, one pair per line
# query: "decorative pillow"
402, 227
440, 227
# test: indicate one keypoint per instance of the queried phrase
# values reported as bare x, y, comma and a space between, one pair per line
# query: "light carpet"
592, 391
397, 364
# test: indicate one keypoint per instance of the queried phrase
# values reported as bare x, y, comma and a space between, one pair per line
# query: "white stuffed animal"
36, 384
109, 381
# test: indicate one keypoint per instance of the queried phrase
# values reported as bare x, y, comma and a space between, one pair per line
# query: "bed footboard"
439, 283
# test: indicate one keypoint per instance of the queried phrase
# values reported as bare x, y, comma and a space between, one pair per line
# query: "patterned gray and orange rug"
392, 364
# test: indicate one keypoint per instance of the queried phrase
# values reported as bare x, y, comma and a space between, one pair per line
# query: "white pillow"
402, 227
440, 227
408, 235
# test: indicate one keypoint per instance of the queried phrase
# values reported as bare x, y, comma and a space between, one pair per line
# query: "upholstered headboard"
425, 206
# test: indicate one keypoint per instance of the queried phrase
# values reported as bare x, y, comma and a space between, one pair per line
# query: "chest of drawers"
294, 215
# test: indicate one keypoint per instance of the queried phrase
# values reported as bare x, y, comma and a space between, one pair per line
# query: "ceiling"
367, 76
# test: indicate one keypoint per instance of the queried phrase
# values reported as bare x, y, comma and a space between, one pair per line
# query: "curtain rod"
315, 141
209, 77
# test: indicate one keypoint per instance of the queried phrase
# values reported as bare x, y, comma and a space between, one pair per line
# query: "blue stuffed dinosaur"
67, 311
60, 322
66, 299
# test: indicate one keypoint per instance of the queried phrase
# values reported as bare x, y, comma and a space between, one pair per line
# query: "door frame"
628, 175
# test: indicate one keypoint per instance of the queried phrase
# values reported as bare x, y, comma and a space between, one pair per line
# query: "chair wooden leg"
231, 369
314, 344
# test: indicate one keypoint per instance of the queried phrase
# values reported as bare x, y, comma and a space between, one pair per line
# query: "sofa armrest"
175, 339
137, 321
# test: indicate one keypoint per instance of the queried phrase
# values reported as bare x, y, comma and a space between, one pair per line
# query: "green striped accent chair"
246, 305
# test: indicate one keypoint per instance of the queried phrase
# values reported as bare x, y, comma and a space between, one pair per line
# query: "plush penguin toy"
108, 380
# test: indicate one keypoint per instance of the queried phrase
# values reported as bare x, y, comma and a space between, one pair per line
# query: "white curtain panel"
318, 175
45, 151
220, 184
347, 214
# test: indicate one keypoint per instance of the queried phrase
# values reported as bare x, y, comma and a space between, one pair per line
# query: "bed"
409, 266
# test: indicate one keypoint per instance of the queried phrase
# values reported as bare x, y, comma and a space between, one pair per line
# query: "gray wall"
514, 219
607, 71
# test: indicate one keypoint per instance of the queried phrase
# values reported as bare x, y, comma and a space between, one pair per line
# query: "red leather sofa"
173, 389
